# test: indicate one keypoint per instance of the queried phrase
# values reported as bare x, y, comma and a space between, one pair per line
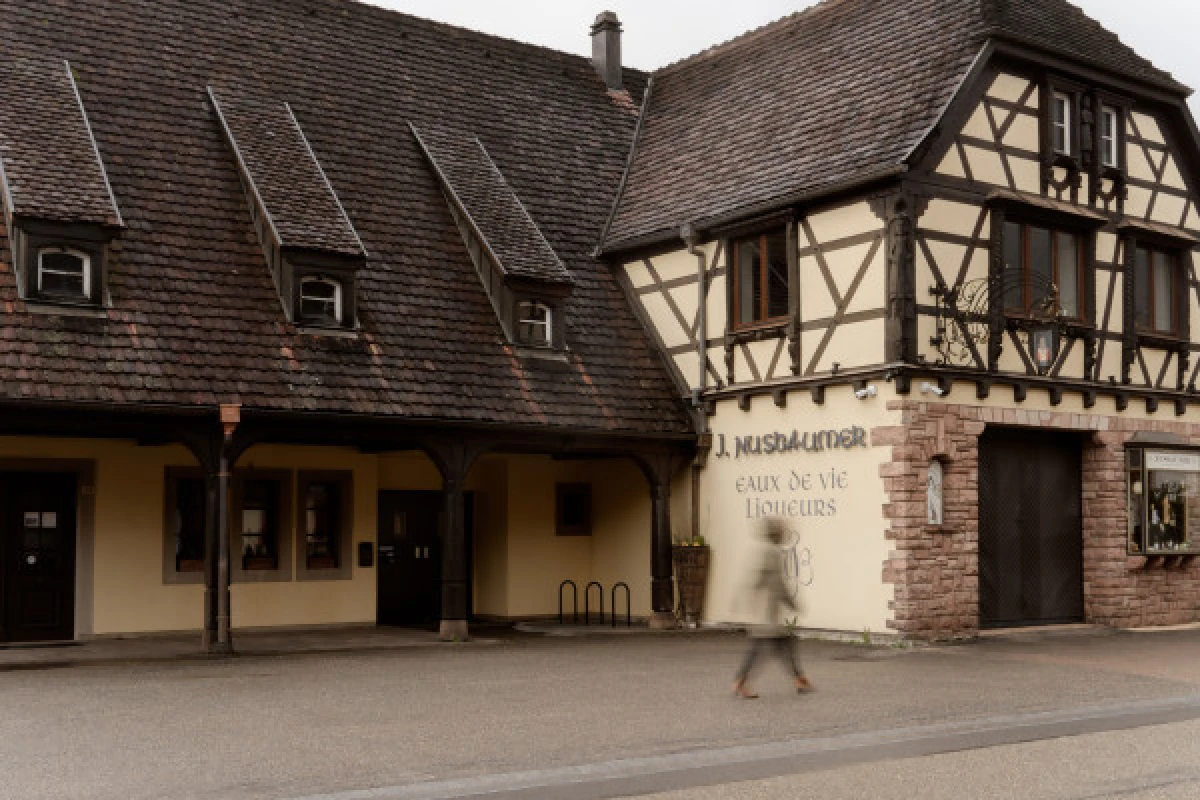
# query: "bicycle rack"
628, 612
587, 596
574, 602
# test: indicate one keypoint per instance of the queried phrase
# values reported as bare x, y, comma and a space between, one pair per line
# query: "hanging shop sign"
779, 443
1174, 462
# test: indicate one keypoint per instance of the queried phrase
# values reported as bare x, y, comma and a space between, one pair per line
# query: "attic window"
1061, 123
320, 301
534, 324
64, 274
1109, 138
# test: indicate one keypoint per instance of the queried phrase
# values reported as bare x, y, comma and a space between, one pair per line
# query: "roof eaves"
1169, 83
112, 198
637, 136
981, 60
803, 196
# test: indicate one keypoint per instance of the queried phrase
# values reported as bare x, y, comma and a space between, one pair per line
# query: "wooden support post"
454, 458
662, 584
218, 636
454, 561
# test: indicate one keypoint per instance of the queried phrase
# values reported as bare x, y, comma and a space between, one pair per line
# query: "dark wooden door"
410, 558
1030, 529
37, 545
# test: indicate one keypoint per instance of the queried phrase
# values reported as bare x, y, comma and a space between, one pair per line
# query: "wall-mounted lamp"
866, 391
929, 388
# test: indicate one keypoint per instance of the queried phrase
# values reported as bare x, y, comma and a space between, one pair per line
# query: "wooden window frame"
344, 569
1107, 111
547, 341
738, 324
1178, 282
1068, 125
339, 302
171, 572
84, 296
561, 490
284, 535
1027, 270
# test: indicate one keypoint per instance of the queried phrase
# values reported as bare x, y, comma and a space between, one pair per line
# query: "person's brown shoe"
741, 690
803, 686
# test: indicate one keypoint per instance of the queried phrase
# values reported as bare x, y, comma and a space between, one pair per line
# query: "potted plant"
691, 558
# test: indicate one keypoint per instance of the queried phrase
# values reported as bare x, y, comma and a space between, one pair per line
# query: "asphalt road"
1149, 763
374, 726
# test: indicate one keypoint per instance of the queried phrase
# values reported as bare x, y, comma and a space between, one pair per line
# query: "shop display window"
1164, 488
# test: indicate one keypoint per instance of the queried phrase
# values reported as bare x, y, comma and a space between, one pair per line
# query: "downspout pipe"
692, 240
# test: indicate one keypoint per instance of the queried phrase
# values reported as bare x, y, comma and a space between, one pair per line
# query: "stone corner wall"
934, 571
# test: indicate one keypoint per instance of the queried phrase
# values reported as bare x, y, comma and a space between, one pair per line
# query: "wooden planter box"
190, 565
260, 563
691, 578
322, 562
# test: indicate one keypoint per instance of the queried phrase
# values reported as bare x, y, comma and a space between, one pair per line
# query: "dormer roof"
473, 183
282, 175
50, 167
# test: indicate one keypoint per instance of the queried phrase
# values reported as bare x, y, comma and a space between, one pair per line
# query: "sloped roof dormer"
59, 208
312, 248
516, 263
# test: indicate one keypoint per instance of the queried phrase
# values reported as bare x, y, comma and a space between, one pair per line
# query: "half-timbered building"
319, 314
927, 270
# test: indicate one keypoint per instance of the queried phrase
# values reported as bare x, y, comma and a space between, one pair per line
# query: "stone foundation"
935, 570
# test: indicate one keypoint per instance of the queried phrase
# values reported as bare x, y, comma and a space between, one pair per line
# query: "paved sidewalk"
186, 647
390, 722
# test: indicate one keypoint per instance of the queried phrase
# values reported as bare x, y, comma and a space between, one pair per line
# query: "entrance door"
410, 558
1030, 529
37, 548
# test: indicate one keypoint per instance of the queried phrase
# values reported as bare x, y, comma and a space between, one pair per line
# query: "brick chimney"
606, 49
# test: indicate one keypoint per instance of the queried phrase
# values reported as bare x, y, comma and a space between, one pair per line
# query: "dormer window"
1109, 138
1061, 123
535, 323
64, 274
321, 302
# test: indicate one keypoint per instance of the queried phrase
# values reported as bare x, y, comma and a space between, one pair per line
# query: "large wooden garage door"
1030, 529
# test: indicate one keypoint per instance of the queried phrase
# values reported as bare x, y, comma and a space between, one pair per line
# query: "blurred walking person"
769, 600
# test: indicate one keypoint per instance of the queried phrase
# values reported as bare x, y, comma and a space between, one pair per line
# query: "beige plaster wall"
126, 572
315, 602
128, 594
847, 545
539, 560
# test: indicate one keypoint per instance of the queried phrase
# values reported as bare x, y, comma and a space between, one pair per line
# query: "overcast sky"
658, 32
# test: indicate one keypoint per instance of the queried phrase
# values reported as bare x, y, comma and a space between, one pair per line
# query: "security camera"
868, 391
929, 388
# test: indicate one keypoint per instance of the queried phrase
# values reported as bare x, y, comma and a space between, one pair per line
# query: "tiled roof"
1060, 26
471, 176
195, 317
841, 91
48, 162
283, 172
